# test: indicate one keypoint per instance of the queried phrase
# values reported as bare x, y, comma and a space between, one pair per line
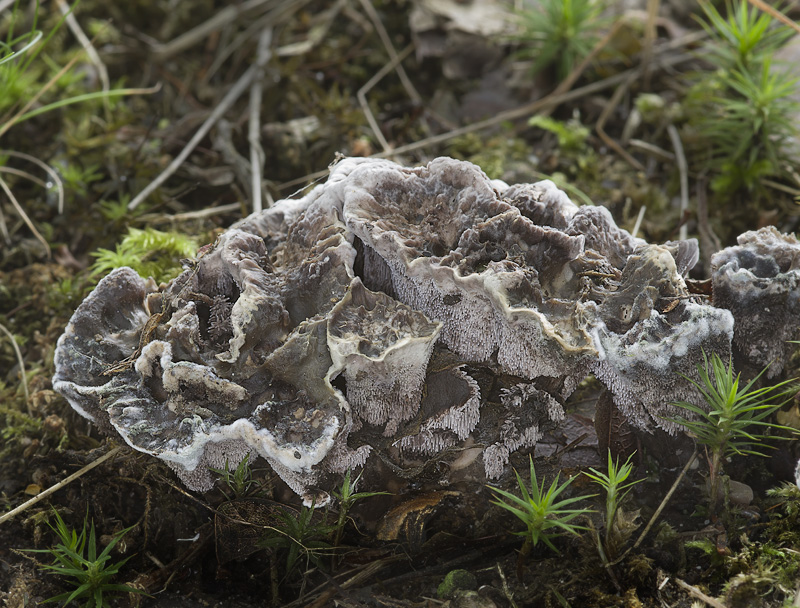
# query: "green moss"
456, 580
149, 252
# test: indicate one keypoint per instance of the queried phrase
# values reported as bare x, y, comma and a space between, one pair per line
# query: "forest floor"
631, 129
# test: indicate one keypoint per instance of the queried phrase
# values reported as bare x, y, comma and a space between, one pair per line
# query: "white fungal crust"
408, 312
759, 282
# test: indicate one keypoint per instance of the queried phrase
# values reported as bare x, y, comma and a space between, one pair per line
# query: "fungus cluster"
397, 315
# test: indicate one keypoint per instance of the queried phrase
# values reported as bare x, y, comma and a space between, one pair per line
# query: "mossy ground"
106, 153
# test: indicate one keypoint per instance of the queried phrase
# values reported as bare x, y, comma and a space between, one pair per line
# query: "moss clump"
456, 580
149, 252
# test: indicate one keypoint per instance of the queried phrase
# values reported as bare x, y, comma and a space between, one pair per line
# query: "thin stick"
695, 592
193, 36
228, 100
610, 142
190, 215
21, 362
658, 511
24, 216
54, 488
683, 169
362, 95
87, 45
387, 42
649, 39
573, 76
513, 114
46, 168
263, 55
20, 173
639, 219
4, 228
775, 13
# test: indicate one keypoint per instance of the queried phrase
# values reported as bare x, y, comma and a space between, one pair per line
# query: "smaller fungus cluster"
400, 316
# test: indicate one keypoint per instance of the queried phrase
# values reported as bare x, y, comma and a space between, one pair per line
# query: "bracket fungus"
391, 314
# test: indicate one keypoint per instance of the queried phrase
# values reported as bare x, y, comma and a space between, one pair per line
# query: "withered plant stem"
54, 488
695, 592
236, 91
263, 55
656, 515
21, 362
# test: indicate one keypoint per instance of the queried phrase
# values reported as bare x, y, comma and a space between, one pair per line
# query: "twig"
24, 216
610, 142
504, 584
21, 362
773, 12
652, 150
369, 570
649, 39
639, 219
709, 241
20, 173
263, 55
149, 218
266, 21
193, 36
533, 107
46, 168
387, 42
87, 45
4, 228
54, 488
228, 100
658, 511
576, 72
513, 114
362, 95
695, 592
683, 170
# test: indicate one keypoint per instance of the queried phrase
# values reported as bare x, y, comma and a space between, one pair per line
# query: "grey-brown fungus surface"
759, 282
393, 316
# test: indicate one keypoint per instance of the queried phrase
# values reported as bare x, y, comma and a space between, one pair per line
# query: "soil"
191, 549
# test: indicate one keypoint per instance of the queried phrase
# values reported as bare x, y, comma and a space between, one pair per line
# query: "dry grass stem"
163, 218
269, 20
254, 125
775, 13
387, 42
649, 39
24, 174
236, 91
91, 52
695, 592
516, 113
639, 219
683, 170
54, 488
25, 217
21, 362
188, 39
610, 106
362, 95
658, 511
4, 228
46, 168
